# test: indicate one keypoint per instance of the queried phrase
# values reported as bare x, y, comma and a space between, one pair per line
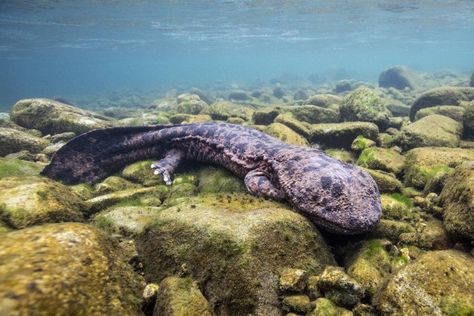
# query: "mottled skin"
336, 196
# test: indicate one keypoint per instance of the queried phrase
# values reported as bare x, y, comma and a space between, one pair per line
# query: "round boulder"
398, 77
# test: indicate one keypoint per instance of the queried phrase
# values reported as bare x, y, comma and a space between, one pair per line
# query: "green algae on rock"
235, 246
189, 103
386, 182
360, 143
285, 134
18, 168
33, 200
340, 287
65, 269
53, 117
340, 154
12, 141
422, 164
292, 280
365, 105
298, 303
458, 200
384, 159
180, 296
218, 180
325, 307
342, 134
452, 111
289, 120
432, 130
314, 114
398, 77
112, 184
437, 283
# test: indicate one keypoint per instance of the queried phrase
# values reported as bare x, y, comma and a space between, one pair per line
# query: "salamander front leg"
259, 184
166, 166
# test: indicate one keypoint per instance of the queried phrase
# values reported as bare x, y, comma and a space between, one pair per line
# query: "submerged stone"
324, 100
339, 287
437, 283
289, 120
386, 182
325, 307
18, 168
34, 200
384, 159
235, 247
65, 269
342, 134
314, 114
454, 112
286, 134
398, 77
12, 141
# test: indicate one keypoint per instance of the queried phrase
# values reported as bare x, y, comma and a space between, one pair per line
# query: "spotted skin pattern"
338, 197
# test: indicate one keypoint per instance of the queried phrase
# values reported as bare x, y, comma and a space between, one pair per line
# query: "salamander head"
338, 197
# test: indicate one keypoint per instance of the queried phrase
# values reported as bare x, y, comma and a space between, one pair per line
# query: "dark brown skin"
336, 196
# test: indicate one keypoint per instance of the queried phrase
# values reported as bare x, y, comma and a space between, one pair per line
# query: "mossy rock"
265, 117
437, 283
189, 103
65, 269
225, 110
398, 77
289, 120
4, 228
286, 134
458, 200
441, 96
235, 246
392, 229
430, 235
365, 105
360, 143
324, 100
125, 220
325, 307
189, 118
454, 112
422, 164
313, 114
83, 190
12, 141
141, 172
218, 180
34, 200
386, 182
398, 108
127, 197
340, 287
180, 296
342, 134
298, 303
468, 120
112, 184
340, 154
384, 159
18, 168
396, 206
369, 264
53, 117
432, 130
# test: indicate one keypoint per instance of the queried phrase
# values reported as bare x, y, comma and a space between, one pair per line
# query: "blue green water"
72, 48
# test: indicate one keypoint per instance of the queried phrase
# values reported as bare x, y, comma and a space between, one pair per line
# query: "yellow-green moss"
18, 168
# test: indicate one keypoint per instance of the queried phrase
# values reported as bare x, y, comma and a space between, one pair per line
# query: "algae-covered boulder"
125, 220
458, 200
32, 200
339, 287
325, 307
397, 108
324, 100
218, 180
342, 134
264, 117
441, 96
452, 111
65, 269
235, 246
384, 159
398, 77
396, 206
17, 167
365, 105
189, 118
112, 184
180, 296
471, 83
340, 154
423, 164
285, 134
189, 103
437, 283
141, 172
53, 117
468, 120
314, 114
12, 141
289, 120
386, 182
432, 130
360, 143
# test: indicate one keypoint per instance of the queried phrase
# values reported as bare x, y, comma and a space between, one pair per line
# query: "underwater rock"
223, 110
342, 134
324, 100
65, 269
12, 141
471, 83
264, 117
386, 182
441, 96
325, 307
234, 245
33, 200
431, 235
141, 172
432, 130
297, 303
340, 154
212, 179
189, 103
112, 184
468, 119
384, 159
397, 206
392, 229
300, 95
365, 105
285, 134
239, 96
293, 280
278, 92
422, 164
289, 120
18, 168
437, 283
458, 200
314, 114
452, 111
397, 108
339, 287
360, 143
53, 117
180, 296
189, 118
398, 77
343, 86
